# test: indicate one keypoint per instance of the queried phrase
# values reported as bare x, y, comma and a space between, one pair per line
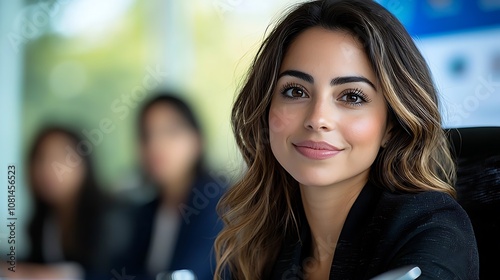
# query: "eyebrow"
334, 82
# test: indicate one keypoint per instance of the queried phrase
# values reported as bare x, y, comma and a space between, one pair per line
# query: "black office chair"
477, 151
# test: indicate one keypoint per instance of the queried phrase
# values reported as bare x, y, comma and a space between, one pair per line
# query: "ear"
387, 135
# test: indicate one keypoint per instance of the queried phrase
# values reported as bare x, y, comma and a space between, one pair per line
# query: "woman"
66, 232
177, 229
349, 172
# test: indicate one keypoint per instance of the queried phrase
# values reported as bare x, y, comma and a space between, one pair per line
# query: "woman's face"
172, 147
327, 121
50, 159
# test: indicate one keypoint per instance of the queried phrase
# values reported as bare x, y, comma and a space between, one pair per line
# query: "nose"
320, 116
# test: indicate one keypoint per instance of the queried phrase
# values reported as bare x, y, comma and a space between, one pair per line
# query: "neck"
175, 191
326, 209
65, 210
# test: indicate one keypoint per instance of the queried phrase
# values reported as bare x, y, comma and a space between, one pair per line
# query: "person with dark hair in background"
177, 229
67, 229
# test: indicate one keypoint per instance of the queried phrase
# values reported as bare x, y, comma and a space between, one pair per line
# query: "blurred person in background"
176, 230
66, 232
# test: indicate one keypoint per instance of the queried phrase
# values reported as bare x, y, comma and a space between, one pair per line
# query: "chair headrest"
474, 142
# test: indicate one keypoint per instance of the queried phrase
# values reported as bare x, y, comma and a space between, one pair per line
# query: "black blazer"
93, 254
194, 245
385, 231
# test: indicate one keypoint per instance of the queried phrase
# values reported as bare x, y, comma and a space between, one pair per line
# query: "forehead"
322, 52
55, 140
163, 112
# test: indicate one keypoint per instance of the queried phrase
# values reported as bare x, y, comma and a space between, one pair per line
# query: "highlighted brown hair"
259, 211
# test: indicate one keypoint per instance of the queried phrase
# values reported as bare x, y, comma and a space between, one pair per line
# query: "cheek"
76, 179
283, 119
365, 132
279, 119
190, 148
182, 152
46, 175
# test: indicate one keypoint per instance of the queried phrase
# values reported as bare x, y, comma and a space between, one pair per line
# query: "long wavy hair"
260, 209
91, 204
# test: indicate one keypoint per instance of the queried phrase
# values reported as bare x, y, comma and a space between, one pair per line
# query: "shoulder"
425, 213
429, 206
424, 198
420, 203
212, 184
428, 229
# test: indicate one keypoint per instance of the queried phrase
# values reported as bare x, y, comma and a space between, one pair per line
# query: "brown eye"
356, 97
352, 98
294, 92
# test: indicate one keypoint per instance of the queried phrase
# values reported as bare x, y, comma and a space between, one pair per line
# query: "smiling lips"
316, 150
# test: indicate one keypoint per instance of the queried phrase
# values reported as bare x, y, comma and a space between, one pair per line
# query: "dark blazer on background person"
96, 240
194, 245
385, 231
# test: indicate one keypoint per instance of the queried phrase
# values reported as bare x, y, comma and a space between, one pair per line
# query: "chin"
314, 183
315, 177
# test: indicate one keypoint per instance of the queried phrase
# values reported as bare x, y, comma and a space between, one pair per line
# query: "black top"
385, 231
193, 247
95, 242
